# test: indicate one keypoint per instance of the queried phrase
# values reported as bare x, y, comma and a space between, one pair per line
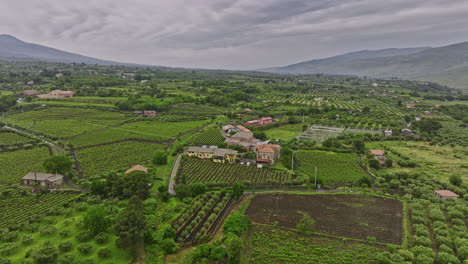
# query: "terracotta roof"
266, 150
136, 168
446, 193
265, 146
377, 152
262, 160
243, 129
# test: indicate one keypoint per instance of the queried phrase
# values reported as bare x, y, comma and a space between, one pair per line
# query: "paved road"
56, 149
175, 168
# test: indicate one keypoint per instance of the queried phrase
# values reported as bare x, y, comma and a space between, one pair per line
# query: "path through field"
175, 168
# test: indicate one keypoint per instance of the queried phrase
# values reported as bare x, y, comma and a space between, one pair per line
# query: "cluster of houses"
259, 122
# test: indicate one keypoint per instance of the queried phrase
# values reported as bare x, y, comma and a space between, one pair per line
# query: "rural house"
217, 154
379, 155
259, 122
388, 132
51, 181
445, 194
267, 153
57, 94
137, 168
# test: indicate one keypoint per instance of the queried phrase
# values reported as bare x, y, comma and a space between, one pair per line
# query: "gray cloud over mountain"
234, 34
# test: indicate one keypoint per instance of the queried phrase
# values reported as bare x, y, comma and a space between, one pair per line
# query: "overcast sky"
232, 34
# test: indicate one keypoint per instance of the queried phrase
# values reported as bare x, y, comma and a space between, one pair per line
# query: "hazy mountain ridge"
12, 48
447, 65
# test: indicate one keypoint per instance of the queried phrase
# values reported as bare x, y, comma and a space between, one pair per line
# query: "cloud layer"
232, 34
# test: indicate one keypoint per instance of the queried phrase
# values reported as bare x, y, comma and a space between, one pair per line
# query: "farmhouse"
57, 94
259, 122
445, 194
52, 181
388, 132
137, 168
217, 154
267, 153
30, 92
379, 155
236, 128
146, 113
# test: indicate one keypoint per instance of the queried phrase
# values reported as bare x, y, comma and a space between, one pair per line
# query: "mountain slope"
12, 48
443, 64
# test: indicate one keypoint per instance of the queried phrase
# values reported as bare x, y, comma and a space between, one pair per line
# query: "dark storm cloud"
239, 34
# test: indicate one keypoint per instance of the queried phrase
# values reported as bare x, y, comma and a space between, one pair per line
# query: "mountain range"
14, 49
445, 65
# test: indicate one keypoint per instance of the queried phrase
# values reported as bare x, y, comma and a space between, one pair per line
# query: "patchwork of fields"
342, 215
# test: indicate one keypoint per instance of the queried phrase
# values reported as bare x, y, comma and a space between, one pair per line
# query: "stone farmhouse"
259, 122
379, 155
50, 181
57, 94
220, 155
267, 153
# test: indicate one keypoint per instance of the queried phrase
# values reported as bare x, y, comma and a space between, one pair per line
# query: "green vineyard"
211, 173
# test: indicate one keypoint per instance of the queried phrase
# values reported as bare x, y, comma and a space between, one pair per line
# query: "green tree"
389, 163
238, 190
359, 146
130, 225
234, 247
306, 225
456, 180
96, 221
366, 109
260, 135
236, 224
429, 125
160, 157
198, 188
136, 183
373, 163
58, 164
183, 191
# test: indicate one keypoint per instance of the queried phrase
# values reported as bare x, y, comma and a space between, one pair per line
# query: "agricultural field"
439, 162
275, 245
196, 109
116, 156
320, 133
285, 132
212, 173
19, 208
144, 130
67, 103
64, 122
210, 136
61, 229
341, 215
15, 164
332, 168
199, 221
10, 138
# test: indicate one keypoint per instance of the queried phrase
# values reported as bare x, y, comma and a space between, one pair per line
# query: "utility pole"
315, 177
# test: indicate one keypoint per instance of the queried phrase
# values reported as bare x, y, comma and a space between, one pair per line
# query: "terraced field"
14, 165
116, 156
65, 122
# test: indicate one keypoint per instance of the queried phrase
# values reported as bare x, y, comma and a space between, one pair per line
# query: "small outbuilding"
445, 194
137, 168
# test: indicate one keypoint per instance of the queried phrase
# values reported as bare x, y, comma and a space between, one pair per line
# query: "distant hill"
14, 49
446, 65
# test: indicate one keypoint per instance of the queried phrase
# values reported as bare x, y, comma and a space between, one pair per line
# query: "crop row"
211, 136
20, 209
212, 173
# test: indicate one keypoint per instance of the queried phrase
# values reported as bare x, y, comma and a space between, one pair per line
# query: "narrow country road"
56, 149
175, 168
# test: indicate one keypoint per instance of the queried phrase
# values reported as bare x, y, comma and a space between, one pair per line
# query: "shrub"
46, 255
7, 249
83, 237
102, 238
168, 245
236, 223
84, 248
104, 253
48, 230
306, 225
456, 180
67, 259
446, 258
27, 240
65, 246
